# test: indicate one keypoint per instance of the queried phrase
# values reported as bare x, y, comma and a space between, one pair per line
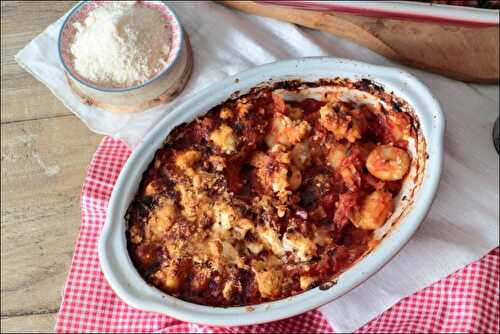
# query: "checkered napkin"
466, 301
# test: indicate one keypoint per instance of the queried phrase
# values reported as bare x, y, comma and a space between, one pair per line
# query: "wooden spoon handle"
459, 52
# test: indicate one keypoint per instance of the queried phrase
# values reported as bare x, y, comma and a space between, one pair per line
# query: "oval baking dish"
409, 213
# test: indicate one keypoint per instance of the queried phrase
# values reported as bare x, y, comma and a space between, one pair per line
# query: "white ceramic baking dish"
131, 288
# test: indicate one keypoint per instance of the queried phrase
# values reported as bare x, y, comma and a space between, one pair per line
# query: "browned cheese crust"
261, 198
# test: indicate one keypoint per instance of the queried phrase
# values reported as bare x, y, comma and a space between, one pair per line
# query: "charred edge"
396, 106
296, 84
291, 85
401, 105
327, 285
330, 82
368, 85
233, 96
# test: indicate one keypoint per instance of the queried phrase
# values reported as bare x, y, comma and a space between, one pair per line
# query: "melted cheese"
224, 217
161, 219
225, 139
342, 125
187, 159
303, 248
271, 240
242, 227
287, 131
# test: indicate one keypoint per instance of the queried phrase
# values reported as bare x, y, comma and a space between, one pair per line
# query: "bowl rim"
163, 72
132, 289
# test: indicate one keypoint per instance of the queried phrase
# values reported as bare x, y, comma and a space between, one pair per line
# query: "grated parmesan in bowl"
128, 49
120, 44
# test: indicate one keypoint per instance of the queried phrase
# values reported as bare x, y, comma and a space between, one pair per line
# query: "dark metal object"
496, 136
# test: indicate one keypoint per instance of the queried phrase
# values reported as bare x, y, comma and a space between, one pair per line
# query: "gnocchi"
375, 210
388, 163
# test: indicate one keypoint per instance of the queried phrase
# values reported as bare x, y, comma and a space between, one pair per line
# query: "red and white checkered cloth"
466, 301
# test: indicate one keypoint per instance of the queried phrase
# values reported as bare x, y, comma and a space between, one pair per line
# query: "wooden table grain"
45, 151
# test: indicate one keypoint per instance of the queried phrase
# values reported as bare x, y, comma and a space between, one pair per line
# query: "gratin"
265, 197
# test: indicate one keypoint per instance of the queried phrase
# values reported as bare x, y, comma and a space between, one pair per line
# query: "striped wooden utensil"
459, 43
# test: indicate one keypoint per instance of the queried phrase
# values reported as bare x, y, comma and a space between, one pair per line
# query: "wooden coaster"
167, 96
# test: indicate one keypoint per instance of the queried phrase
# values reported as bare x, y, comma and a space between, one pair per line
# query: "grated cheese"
120, 44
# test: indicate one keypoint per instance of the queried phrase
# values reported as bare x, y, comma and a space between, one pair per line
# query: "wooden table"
45, 152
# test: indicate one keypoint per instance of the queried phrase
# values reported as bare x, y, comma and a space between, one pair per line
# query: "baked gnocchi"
264, 198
